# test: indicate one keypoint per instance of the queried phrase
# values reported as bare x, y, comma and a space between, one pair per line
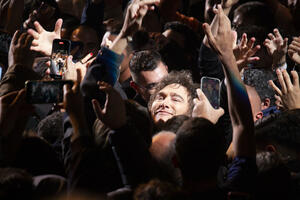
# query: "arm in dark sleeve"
209, 63
241, 175
104, 68
15, 78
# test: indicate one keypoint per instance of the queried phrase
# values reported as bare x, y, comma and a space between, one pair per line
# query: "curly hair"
183, 78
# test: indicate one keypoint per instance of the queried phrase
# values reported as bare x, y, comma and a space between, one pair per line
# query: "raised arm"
20, 61
277, 47
238, 102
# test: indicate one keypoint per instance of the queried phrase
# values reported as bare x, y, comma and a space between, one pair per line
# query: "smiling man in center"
173, 96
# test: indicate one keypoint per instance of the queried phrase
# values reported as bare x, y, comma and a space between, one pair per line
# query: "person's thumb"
97, 109
220, 111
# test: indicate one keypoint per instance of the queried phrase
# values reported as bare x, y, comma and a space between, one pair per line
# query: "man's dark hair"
146, 60
157, 190
199, 149
183, 78
259, 78
273, 178
179, 57
15, 184
282, 129
190, 37
256, 13
174, 123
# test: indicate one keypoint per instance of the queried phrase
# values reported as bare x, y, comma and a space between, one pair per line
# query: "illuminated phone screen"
60, 53
211, 89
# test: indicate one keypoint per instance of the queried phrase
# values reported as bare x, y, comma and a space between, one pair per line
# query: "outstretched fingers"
58, 26
275, 88
38, 27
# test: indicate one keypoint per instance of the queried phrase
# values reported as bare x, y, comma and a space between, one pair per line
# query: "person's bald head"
89, 37
255, 102
162, 145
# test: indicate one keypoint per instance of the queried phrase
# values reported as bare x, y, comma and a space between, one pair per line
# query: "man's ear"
259, 115
134, 86
270, 148
265, 104
167, 68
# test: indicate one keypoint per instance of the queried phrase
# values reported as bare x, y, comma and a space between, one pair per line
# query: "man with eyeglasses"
147, 69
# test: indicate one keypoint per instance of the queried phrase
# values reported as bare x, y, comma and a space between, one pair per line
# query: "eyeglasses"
149, 86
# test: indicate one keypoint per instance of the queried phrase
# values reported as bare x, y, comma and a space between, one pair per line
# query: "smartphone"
59, 55
211, 88
42, 92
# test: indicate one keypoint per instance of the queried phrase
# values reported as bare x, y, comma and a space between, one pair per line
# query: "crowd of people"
135, 123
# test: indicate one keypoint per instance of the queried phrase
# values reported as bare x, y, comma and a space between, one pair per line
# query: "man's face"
146, 80
172, 100
88, 37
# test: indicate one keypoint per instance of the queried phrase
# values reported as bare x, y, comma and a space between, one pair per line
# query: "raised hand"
202, 108
289, 94
114, 113
227, 5
135, 14
238, 102
9, 20
294, 50
83, 64
214, 25
19, 51
244, 51
222, 38
277, 48
10, 106
43, 39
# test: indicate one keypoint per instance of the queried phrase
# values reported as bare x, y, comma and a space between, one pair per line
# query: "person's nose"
165, 103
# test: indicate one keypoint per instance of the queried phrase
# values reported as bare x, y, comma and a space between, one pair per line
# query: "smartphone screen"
211, 89
60, 53
41, 92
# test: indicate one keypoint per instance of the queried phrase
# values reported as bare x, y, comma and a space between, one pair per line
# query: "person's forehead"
84, 34
176, 89
153, 76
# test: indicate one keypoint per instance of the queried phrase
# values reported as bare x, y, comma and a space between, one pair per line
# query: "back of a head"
273, 179
259, 78
162, 150
191, 42
280, 130
254, 13
146, 60
15, 184
174, 123
157, 190
181, 50
199, 149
